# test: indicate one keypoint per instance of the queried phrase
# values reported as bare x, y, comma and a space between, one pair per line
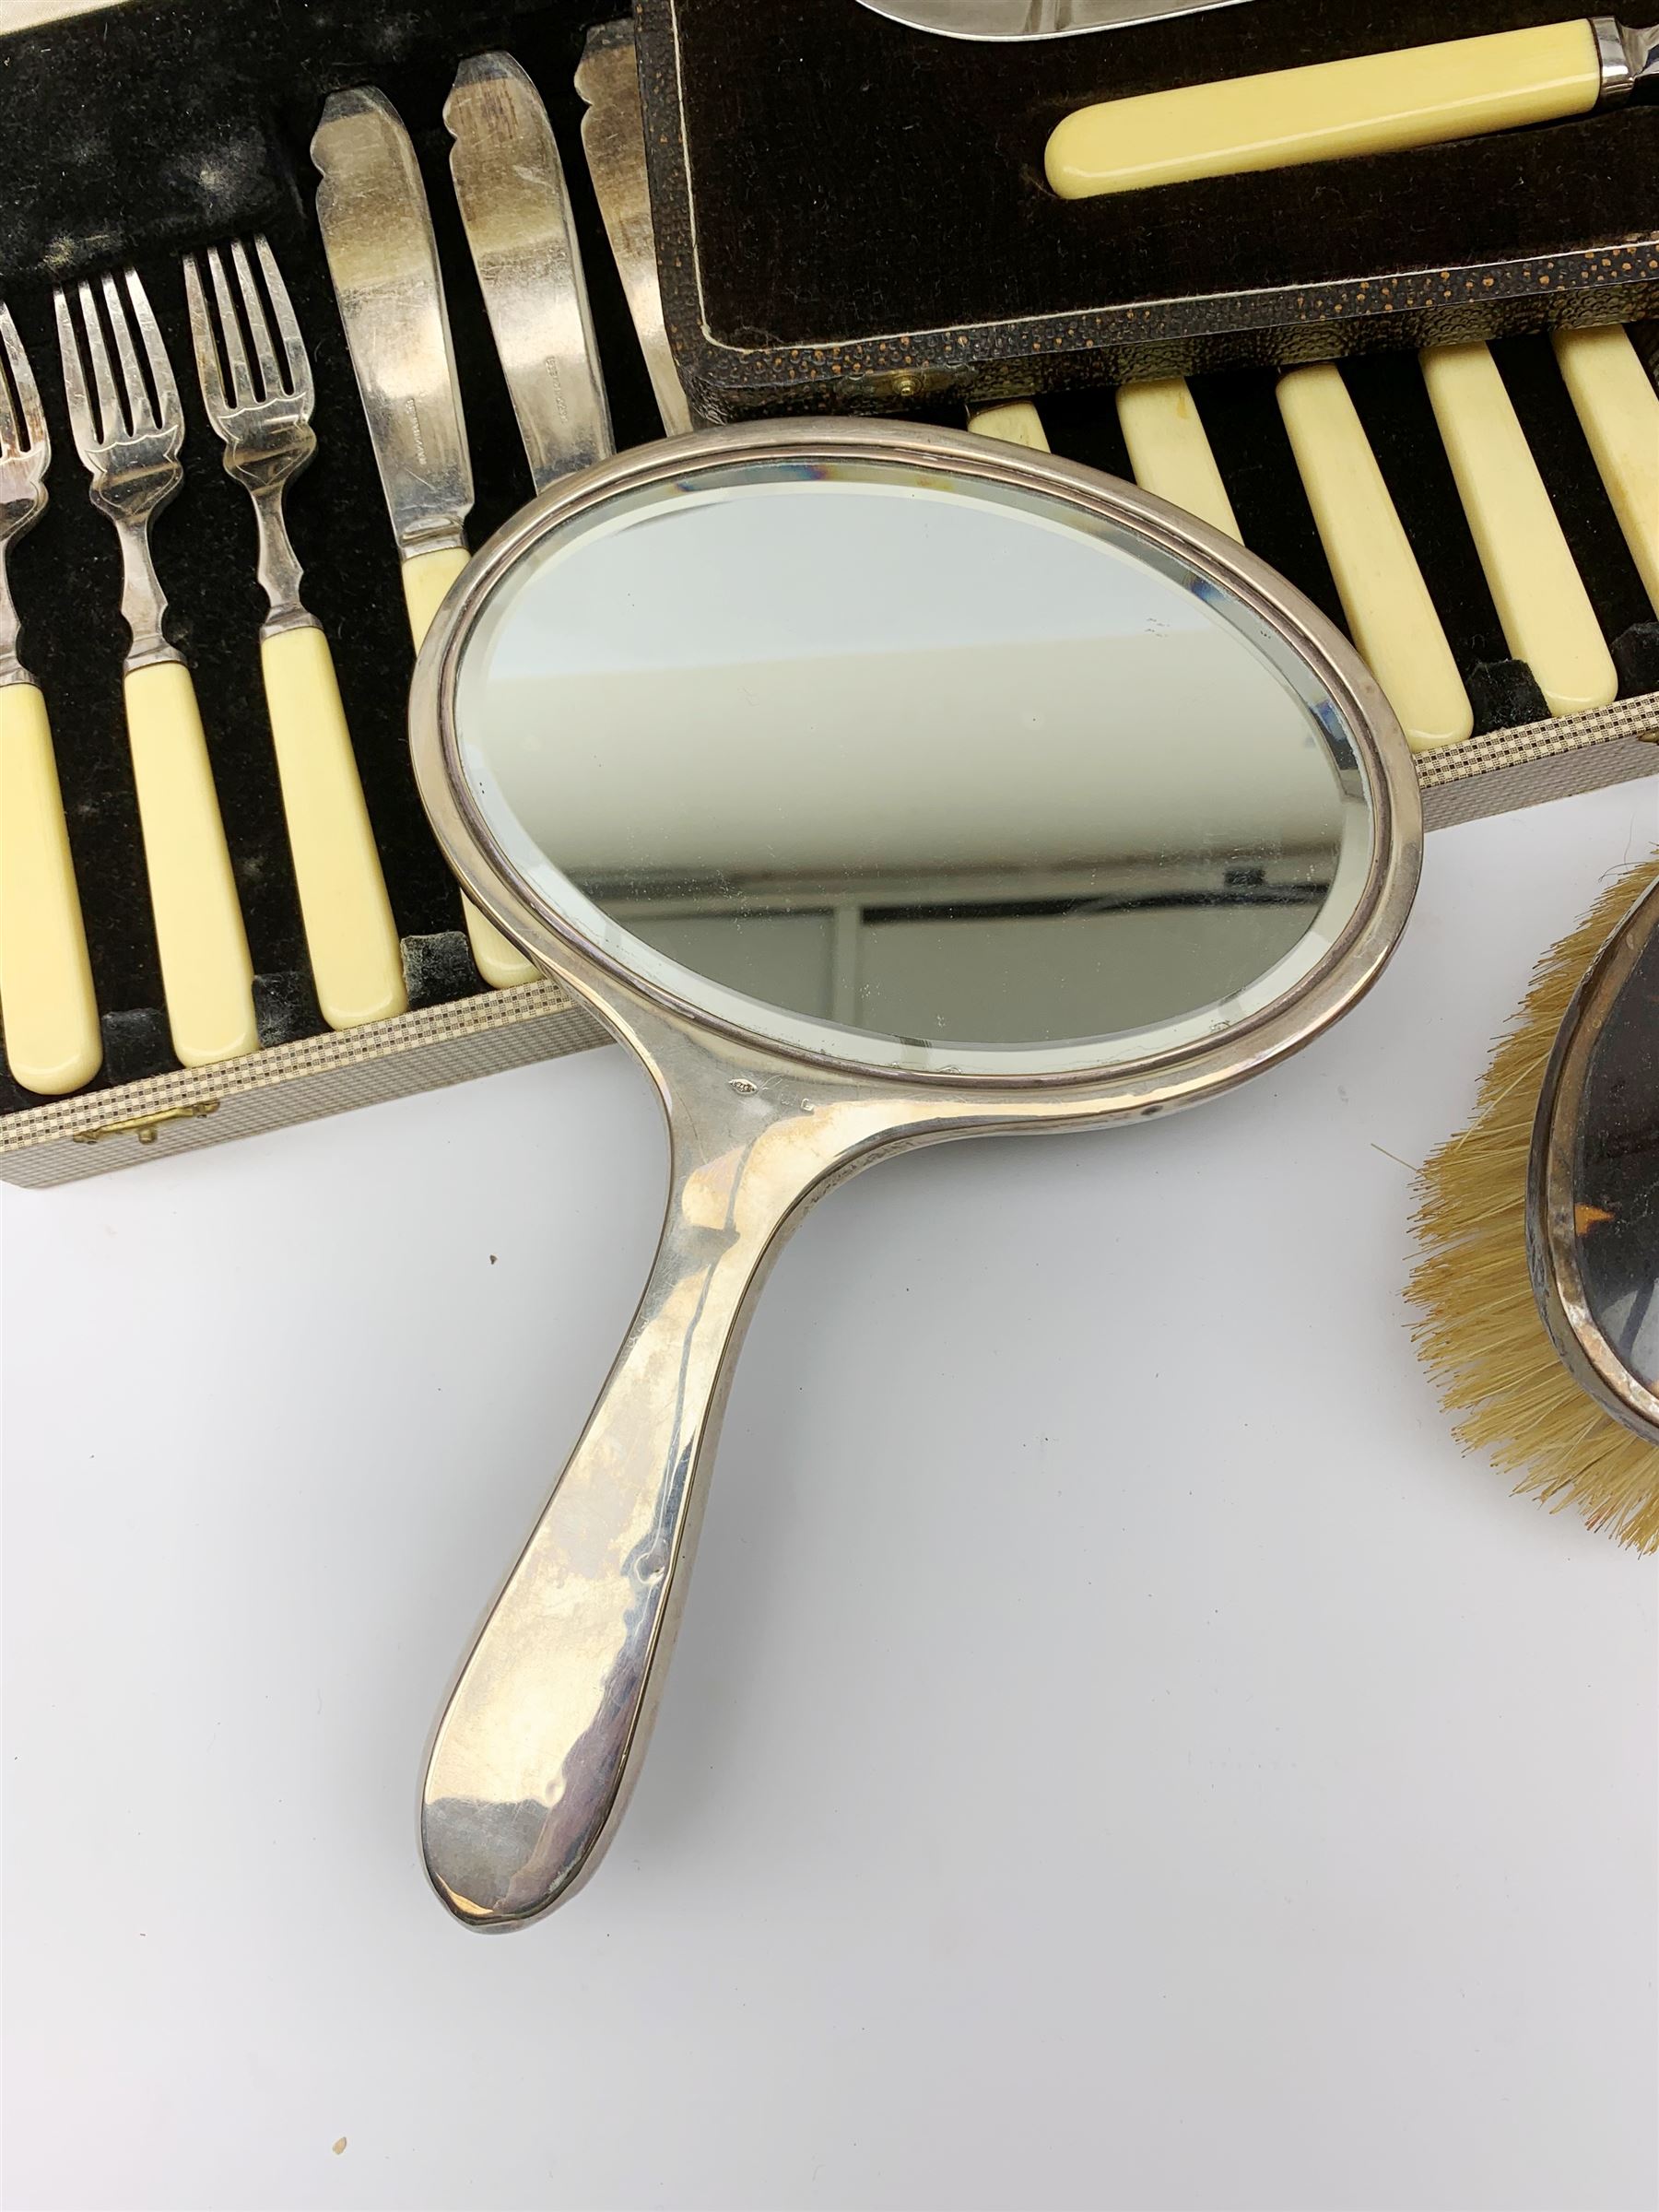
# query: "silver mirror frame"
1552, 1237
533, 1757
551, 938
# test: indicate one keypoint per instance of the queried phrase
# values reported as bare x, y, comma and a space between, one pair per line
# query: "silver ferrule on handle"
143, 602
1617, 73
442, 534
1628, 55
12, 670
279, 570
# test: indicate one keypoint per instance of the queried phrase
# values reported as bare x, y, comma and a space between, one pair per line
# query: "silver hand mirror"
875, 786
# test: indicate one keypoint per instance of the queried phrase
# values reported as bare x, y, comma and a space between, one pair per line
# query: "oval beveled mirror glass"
877, 786
933, 774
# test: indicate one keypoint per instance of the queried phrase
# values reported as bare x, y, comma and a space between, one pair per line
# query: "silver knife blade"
613, 138
517, 208
377, 233
1031, 19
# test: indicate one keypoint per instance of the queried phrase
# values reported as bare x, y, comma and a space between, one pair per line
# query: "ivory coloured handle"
1393, 621
52, 1042
1169, 450
1015, 421
1374, 103
206, 972
1546, 612
350, 932
426, 580
1620, 410
427, 577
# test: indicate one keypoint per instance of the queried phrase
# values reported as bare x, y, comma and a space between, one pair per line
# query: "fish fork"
129, 435
249, 335
52, 1041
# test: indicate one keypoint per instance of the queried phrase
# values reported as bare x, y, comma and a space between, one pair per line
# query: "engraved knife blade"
377, 233
516, 206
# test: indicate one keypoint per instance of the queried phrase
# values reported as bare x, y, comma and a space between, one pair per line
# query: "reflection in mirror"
927, 759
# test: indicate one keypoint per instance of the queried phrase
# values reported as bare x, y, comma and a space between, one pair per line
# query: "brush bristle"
1478, 1329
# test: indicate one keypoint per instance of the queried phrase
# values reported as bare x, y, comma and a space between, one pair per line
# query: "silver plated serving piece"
377, 234
876, 786
128, 438
516, 206
613, 138
263, 414
1031, 19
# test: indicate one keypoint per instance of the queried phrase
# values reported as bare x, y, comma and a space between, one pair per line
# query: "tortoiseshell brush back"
1537, 1291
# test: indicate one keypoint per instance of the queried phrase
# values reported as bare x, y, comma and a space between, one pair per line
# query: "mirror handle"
532, 1760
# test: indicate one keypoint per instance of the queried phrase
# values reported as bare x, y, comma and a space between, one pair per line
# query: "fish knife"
516, 207
377, 234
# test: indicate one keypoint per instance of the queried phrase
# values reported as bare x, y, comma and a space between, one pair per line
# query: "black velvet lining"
169, 124
851, 177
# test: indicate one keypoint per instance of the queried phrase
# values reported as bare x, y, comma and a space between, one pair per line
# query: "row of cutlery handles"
1543, 607
54, 1040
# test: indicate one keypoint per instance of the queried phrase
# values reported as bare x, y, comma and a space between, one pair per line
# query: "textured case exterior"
731, 375
182, 1111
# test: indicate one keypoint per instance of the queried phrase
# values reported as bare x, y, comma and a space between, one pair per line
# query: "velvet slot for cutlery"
136, 134
848, 204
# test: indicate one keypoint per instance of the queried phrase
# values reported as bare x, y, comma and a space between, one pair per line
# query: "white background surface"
1119, 1753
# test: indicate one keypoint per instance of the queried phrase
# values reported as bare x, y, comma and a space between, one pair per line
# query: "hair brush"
1537, 1287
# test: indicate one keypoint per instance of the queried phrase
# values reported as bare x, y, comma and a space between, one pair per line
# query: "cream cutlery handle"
427, 577
1169, 450
349, 933
1374, 103
1541, 604
1015, 421
206, 972
1618, 407
1393, 621
52, 1042
425, 580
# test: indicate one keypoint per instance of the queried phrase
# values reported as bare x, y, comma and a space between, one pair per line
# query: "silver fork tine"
259, 329
74, 381
287, 324
109, 406
236, 353
201, 336
29, 393
141, 415
11, 433
149, 330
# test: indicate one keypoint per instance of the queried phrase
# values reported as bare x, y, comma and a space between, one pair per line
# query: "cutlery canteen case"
865, 178
842, 198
